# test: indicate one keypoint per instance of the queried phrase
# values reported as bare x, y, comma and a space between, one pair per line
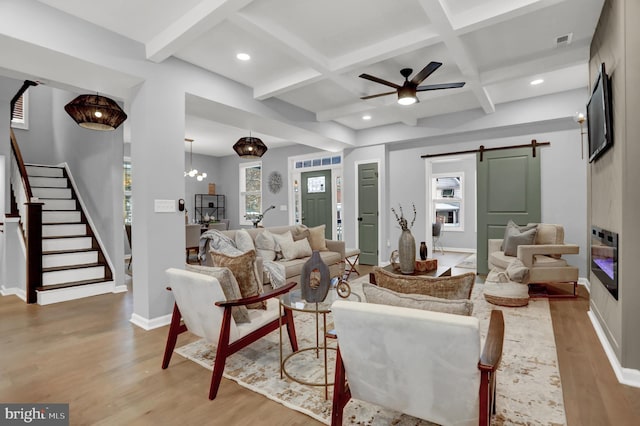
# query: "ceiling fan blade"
439, 86
426, 72
379, 94
379, 80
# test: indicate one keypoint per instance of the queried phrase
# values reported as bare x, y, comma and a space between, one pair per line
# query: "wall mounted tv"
599, 118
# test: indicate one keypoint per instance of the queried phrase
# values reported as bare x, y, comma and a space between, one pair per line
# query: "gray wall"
614, 199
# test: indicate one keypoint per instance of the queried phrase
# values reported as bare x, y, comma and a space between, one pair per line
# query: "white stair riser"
61, 217
66, 244
71, 293
64, 230
48, 181
72, 275
63, 193
67, 259
59, 204
44, 171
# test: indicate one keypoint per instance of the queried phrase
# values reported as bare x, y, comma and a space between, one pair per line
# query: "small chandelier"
193, 172
250, 147
96, 112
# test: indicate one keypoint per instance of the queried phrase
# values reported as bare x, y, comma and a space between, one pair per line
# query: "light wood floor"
88, 354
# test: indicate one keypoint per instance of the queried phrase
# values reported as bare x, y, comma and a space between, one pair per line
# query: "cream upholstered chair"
543, 257
422, 363
202, 309
192, 238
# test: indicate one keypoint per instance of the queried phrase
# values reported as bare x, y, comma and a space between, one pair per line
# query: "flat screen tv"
599, 119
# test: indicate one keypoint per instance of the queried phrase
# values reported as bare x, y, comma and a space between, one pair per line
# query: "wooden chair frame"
488, 365
226, 349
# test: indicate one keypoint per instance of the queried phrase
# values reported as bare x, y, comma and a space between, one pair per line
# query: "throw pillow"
229, 286
244, 242
316, 238
453, 287
514, 238
384, 296
511, 224
266, 245
300, 232
281, 239
295, 249
244, 269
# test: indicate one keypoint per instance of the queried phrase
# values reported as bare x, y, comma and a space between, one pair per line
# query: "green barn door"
368, 213
508, 188
316, 200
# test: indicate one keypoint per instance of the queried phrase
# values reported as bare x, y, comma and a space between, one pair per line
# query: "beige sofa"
333, 256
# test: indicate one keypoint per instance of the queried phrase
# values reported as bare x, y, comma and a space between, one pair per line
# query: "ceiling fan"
407, 92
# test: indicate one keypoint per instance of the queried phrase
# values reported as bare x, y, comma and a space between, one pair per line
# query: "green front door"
316, 200
368, 213
508, 188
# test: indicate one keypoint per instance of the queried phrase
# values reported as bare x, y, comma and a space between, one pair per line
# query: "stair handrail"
29, 210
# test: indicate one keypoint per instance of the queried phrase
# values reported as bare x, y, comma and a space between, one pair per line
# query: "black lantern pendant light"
96, 112
250, 147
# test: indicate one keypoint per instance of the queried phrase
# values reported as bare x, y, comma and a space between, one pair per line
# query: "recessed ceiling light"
366, 117
536, 82
243, 56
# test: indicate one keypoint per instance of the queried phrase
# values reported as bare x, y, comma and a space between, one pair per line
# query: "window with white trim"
250, 191
448, 199
20, 117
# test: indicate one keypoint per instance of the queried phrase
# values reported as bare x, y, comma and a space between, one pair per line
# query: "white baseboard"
49, 297
626, 376
150, 324
13, 291
585, 282
120, 289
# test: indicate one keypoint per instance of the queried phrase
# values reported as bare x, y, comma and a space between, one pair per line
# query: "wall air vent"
564, 40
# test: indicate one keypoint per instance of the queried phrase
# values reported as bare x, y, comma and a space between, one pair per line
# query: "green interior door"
368, 213
316, 200
508, 188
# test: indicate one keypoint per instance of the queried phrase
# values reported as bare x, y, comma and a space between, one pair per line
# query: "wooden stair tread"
63, 223
71, 284
70, 267
67, 236
85, 250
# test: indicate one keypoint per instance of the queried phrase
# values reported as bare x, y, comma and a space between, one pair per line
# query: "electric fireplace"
604, 258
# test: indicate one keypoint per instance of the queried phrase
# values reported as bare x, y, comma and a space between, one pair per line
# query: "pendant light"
250, 147
193, 172
96, 112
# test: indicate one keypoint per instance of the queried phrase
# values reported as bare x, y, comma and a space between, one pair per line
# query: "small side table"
293, 301
351, 256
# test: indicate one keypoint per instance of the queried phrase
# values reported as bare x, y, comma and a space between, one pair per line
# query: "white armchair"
201, 308
422, 363
543, 257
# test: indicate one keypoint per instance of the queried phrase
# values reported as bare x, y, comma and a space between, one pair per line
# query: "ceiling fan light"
406, 96
250, 147
95, 112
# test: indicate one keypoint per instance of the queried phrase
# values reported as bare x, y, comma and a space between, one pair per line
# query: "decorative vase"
315, 279
423, 250
407, 252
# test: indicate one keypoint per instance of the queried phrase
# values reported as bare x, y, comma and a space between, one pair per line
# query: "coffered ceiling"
310, 53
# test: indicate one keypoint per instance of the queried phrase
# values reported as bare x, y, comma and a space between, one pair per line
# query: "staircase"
73, 264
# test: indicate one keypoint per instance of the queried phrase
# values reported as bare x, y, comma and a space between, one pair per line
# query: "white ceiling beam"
196, 22
485, 15
286, 83
439, 16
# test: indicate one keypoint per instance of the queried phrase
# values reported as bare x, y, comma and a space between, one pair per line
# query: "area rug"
469, 262
529, 391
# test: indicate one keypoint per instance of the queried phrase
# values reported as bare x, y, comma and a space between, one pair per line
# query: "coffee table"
442, 271
294, 301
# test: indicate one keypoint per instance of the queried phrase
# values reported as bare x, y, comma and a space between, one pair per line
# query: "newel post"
34, 249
